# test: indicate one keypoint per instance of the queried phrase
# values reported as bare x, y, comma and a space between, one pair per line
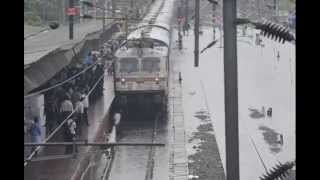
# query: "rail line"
142, 127
150, 165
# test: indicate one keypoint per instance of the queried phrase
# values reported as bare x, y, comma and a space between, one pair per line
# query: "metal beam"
179, 27
196, 34
231, 89
92, 144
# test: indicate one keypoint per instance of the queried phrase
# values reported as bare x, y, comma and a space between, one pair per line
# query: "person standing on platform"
99, 73
88, 59
188, 27
66, 108
70, 134
79, 115
184, 29
116, 122
85, 100
117, 117
35, 132
257, 39
49, 113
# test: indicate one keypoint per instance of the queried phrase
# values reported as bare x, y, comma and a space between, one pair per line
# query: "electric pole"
231, 89
196, 34
179, 27
71, 21
186, 14
214, 20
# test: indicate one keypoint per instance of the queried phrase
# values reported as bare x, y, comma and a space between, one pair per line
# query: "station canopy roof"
49, 51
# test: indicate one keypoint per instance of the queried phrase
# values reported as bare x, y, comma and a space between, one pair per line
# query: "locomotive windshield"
129, 65
144, 43
151, 64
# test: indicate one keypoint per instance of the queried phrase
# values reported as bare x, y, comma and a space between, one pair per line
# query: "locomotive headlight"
157, 80
123, 80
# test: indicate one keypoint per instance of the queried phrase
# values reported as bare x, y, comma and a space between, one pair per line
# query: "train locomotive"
142, 62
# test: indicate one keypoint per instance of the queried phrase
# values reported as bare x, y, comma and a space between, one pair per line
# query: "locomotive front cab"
144, 75
141, 70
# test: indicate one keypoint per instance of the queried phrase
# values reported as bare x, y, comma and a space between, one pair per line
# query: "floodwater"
141, 162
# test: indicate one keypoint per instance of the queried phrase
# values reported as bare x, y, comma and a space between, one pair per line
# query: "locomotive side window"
129, 65
151, 64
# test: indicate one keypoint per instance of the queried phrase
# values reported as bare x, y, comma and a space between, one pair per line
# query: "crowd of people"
75, 95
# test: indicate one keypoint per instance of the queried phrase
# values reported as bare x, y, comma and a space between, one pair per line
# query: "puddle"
202, 115
193, 145
205, 127
205, 163
271, 137
256, 114
202, 111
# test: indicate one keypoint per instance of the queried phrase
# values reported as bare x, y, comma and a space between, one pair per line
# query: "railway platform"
72, 168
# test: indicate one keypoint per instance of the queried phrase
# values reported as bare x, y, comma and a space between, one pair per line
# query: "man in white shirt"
85, 101
116, 122
65, 109
72, 127
117, 118
79, 114
71, 135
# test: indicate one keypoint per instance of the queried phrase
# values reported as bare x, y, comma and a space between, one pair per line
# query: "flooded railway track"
150, 165
137, 163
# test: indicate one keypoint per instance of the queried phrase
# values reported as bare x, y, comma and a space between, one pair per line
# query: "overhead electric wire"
256, 149
61, 124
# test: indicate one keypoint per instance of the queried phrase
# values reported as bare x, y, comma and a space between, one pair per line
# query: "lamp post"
71, 21
186, 13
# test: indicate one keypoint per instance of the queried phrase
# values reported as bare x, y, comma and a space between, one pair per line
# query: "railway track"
136, 163
150, 165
